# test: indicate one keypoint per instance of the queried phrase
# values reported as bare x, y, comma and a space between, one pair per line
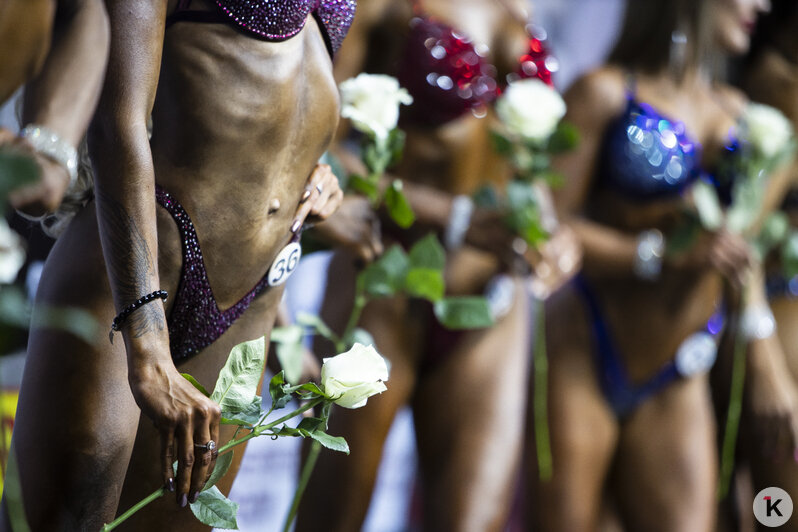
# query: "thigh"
666, 474
583, 428
343, 508
76, 419
469, 410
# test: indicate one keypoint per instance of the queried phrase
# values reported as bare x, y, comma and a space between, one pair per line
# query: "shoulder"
598, 96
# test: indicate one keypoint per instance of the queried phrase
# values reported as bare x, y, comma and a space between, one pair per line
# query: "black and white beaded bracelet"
116, 325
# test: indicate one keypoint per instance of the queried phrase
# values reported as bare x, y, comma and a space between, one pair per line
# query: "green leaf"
428, 253
364, 186
376, 157
313, 388
285, 431
196, 384
501, 144
214, 509
565, 138
398, 207
312, 424
277, 391
290, 358
245, 418
16, 170
467, 312
789, 255
385, 276
425, 283
223, 462
289, 334
359, 336
334, 443
317, 324
396, 146
238, 380
486, 197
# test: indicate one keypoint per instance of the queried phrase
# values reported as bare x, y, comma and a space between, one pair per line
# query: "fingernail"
170, 485
194, 497
305, 196
295, 226
183, 501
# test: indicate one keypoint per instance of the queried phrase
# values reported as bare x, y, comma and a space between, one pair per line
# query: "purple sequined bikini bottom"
196, 320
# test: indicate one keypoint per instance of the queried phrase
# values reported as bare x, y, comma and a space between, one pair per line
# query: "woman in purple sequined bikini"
243, 104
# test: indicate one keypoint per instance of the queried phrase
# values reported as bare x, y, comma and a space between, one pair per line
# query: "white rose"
354, 376
12, 254
531, 109
371, 102
767, 129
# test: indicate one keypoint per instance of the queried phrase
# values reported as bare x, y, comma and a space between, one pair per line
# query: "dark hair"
645, 43
781, 22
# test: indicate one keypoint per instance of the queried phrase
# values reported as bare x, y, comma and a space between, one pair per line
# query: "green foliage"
467, 312
523, 212
289, 350
236, 387
385, 276
16, 170
223, 463
196, 384
214, 509
428, 253
334, 443
564, 139
399, 208
425, 283
366, 186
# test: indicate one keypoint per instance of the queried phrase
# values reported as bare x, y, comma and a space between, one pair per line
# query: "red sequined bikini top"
447, 74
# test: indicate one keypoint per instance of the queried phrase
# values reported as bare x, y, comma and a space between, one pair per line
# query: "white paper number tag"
285, 264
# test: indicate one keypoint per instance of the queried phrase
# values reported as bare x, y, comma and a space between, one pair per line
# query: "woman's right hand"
185, 419
725, 252
354, 227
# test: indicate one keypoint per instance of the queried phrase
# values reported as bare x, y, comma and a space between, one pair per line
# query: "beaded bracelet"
116, 325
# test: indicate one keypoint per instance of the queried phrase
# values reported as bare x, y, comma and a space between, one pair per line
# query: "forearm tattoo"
130, 264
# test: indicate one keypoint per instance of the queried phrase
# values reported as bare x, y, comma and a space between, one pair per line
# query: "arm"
125, 197
25, 27
64, 94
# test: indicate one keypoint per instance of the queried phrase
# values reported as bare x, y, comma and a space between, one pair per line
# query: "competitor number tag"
285, 264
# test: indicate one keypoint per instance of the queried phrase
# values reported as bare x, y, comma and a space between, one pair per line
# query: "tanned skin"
238, 127
469, 402
59, 50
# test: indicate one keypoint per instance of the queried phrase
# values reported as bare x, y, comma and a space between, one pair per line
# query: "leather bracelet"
120, 318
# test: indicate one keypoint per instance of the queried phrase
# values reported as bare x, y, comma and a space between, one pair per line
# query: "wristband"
758, 322
116, 325
459, 222
48, 143
649, 253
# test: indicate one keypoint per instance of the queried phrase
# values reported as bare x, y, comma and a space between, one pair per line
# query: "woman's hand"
354, 227
555, 263
321, 198
727, 253
46, 193
186, 420
772, 401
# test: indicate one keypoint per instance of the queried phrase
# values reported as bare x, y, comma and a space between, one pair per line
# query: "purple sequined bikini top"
276, 20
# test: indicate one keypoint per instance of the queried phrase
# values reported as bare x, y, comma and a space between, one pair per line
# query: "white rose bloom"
371, 102
531, 109
767, 129
354, 376
12, 254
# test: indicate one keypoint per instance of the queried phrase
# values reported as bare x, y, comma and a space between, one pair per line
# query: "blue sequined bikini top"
647, 155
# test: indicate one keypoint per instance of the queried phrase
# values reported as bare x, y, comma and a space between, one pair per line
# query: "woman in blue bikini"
243, 104
631, 341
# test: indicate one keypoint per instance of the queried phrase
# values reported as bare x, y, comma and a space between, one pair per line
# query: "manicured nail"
170, 485
183, 501
305, 196
194, 497
295, 226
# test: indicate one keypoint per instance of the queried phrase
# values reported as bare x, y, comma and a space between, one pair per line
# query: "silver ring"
320, 188
210, 446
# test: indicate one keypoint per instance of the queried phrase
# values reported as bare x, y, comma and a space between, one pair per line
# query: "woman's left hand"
321, 198
555, 263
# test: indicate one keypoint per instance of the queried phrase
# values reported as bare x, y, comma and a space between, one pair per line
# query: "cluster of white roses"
766, 129
531, 109
12, 253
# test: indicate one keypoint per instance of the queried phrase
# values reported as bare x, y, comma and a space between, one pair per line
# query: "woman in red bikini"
243, 104
467, 389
